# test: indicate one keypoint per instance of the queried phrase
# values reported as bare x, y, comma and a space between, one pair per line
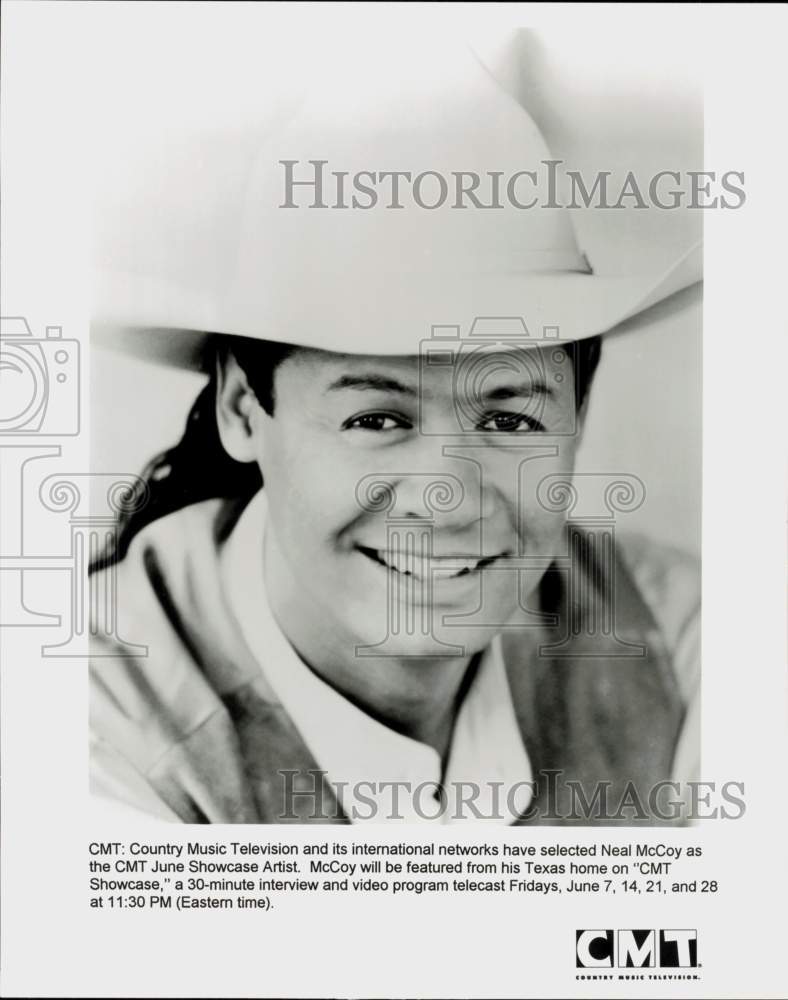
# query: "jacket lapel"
224, 750
599, 728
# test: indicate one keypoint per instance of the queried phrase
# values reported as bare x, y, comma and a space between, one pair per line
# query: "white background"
512, 946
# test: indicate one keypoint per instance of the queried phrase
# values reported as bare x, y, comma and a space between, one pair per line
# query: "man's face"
403, 498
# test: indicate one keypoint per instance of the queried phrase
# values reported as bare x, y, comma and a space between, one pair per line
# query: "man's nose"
434, 486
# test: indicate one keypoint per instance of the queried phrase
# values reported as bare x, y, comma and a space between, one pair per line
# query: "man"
401, 624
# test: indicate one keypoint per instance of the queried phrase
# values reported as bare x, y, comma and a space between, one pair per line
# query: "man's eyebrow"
371, 381
519, 390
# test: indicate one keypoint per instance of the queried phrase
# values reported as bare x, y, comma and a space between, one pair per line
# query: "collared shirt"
381, 775
164, 713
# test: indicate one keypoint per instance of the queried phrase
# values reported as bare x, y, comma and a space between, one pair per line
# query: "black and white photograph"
392, 529
378, 573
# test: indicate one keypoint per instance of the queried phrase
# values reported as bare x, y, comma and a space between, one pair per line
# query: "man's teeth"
442, 567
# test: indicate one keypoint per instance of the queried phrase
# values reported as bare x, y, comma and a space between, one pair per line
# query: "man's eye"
511, 422
376, 422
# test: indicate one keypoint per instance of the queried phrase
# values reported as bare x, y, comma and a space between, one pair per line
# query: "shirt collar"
363, 757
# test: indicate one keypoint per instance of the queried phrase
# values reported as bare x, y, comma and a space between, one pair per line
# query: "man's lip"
409, 564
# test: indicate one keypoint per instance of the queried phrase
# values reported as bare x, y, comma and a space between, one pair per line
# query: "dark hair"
585, 355
198, 468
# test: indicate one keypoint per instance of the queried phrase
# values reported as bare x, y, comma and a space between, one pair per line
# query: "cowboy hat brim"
163, 324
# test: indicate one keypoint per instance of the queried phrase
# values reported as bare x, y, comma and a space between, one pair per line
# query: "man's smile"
423, 566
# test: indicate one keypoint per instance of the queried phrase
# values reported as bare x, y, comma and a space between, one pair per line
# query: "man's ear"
237, 410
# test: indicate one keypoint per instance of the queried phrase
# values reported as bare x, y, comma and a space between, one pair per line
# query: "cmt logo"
636, 949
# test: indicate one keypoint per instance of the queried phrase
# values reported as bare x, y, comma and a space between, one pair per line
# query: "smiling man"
340, 422
356, 579
329, 647
397, 565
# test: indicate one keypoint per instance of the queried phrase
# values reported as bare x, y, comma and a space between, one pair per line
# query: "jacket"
193, 732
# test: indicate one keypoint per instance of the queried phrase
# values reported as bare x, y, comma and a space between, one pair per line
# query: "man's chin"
438, 642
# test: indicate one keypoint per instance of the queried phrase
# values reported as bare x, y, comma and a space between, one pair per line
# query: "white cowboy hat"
375, 280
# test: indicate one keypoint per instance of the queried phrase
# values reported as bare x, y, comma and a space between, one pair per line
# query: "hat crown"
323, 198
342, 259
